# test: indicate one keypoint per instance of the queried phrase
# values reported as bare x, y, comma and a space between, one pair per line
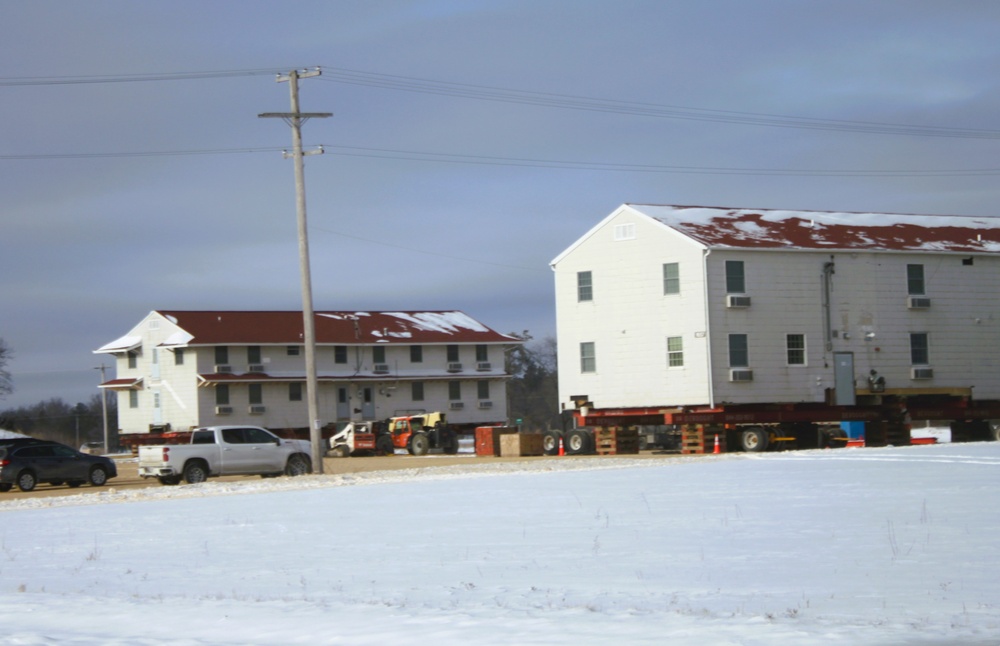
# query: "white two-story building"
661, 306
181, 369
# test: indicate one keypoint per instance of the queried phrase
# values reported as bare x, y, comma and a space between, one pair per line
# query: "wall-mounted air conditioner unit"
921, 373
918, 302
484, 366
454, 367
456, 405
257, 409
381, 368
484, 405
740, 374
735, 301
223, 368
223, 410
255, 367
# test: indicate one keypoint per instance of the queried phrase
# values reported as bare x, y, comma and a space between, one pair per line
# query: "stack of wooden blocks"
616, 440
520, 444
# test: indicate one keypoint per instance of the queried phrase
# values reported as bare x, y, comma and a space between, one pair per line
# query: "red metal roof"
778, 229
332, 328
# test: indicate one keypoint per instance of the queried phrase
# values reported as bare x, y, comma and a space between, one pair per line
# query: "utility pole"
104, 410
295, 119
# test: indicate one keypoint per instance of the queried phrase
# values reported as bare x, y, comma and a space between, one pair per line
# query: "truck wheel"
754, 439
298, 465
449, 442
550, 443
420, 444
98, 477
340, 451
577, 442
169, 480
26, 481
384, 445
195, 472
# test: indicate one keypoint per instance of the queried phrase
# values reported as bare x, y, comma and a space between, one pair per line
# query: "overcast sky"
471, 142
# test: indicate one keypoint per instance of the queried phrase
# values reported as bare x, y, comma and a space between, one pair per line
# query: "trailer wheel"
550, 442
754, 439
340, 451
384, 445
577, 442
419, 444
195, 472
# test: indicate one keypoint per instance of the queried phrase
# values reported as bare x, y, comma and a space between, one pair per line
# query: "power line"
487, 160
127, 78
575, 102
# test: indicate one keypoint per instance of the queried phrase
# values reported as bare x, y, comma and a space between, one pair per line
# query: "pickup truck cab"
222, 451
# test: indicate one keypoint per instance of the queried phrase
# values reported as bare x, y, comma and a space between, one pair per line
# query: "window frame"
671, 283
789, 350
675, 356
588, 357
735, 361
584, 286
916, 282
920, 348
736, 280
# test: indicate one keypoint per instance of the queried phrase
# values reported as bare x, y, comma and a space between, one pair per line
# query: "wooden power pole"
295, 119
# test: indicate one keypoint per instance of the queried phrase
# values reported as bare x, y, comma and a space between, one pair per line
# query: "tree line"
532, 398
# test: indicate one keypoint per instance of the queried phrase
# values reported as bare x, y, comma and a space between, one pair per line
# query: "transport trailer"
762, 427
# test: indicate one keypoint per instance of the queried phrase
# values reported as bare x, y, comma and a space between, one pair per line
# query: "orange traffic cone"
716, 450
562, 449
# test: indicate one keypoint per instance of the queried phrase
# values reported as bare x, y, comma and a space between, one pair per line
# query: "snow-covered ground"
854, 546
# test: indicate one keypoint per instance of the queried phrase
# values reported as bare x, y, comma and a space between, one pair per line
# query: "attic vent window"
624, 232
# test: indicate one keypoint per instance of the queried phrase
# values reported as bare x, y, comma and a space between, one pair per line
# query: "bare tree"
6, 383
533, 389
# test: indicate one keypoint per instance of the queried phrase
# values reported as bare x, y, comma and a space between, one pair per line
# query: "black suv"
26, 463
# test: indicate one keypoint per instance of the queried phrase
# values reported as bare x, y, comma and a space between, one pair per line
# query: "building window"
417, 391
378, 354
295, 391
452, 353
483, 389
340, 354
222, 394
454, 390
253, 354
256, 393
919, 349
292, 350
482, 353
179, 357
915, 280
584, 286
221, 355
133, 399
132, 360
675, 351
735, 277
625, 231
671, 278
739, 354
795, 345
588, 357
416, 354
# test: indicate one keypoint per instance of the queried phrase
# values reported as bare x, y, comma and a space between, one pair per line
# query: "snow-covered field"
855, 546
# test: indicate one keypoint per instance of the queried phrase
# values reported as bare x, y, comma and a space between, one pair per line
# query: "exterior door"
157, 408
843, 378
367, 403
343, 404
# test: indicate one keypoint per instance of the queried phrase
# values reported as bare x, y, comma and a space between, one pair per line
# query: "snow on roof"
123, 344
782, 229
285, 327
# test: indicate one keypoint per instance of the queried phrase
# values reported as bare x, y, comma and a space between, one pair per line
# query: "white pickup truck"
223, 451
